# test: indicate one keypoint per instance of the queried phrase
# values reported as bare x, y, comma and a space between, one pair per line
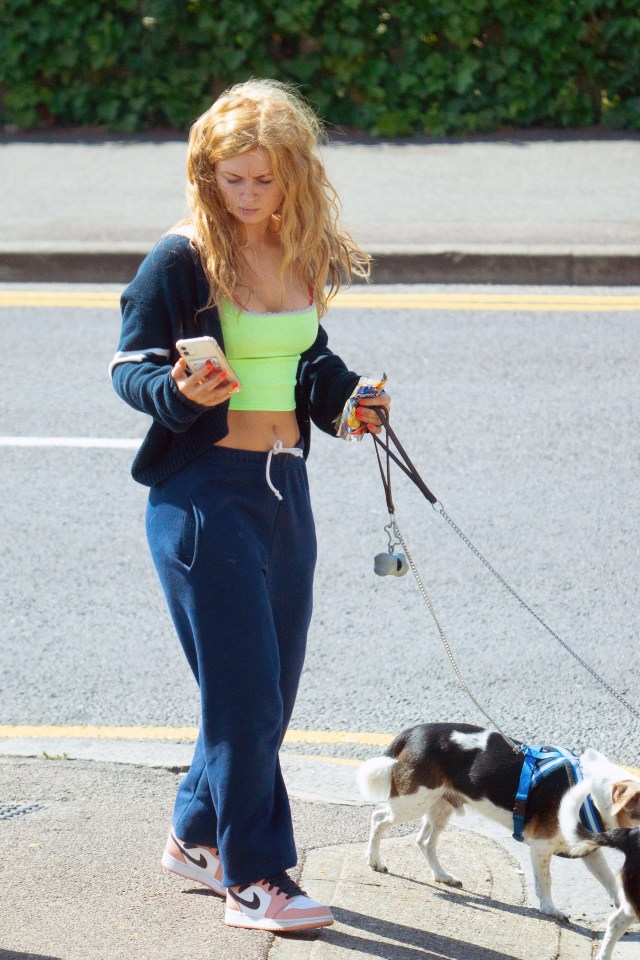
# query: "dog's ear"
626, 796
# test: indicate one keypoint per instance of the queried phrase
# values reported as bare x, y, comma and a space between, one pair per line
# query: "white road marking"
108, 442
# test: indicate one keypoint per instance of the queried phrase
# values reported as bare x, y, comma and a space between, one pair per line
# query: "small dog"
432, 770
582, 842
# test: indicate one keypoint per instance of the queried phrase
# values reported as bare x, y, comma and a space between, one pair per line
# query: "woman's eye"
265, 183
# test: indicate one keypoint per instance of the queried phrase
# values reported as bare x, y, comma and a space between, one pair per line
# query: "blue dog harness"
539, 762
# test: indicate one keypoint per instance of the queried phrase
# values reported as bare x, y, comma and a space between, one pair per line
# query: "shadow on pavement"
408, 938
476, 901
16, 955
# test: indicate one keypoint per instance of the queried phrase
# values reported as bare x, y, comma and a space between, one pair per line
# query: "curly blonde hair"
269, 114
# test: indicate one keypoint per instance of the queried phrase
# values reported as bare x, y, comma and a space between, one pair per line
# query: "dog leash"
393, 525
408, 468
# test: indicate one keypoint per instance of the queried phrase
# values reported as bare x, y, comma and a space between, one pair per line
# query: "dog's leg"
597, 865
396, 811
541, 863
435, 820
619, 922
382, 819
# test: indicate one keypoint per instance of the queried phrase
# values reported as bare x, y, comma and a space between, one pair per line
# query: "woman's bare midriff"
259, 429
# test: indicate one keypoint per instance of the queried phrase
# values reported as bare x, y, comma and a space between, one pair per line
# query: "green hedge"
391, 68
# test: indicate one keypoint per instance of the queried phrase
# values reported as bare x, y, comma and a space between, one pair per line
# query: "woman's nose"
248, 190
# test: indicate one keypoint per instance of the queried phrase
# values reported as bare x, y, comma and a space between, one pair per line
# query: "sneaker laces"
284, 883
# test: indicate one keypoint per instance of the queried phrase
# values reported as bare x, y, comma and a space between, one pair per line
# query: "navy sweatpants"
236, 566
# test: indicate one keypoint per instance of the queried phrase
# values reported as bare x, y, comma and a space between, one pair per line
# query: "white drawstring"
275, 450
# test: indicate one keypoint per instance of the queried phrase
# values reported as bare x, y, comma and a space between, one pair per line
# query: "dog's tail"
580, 840
374, 778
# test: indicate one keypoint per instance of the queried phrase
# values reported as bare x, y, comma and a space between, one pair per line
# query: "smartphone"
197, 350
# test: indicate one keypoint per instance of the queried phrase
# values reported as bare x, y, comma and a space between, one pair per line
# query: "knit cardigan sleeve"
156, 306
325, 383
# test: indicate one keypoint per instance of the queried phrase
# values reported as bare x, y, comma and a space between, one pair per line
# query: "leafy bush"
391, 68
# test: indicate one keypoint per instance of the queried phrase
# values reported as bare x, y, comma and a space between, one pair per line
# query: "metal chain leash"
402, 460
425, 596
607, 686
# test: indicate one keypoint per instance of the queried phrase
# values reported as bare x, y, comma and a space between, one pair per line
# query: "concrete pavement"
81, 878
530, 207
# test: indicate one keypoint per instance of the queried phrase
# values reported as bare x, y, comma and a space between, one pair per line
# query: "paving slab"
395, 915
80, 876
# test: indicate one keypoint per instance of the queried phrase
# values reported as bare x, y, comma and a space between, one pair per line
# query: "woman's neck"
257, 235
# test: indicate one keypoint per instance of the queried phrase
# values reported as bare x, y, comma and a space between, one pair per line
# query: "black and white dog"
432, 770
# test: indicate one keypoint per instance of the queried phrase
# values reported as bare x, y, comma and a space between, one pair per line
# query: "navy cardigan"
164, 303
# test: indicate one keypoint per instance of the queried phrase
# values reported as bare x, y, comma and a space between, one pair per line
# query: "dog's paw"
447, 878
550, 910
379, 867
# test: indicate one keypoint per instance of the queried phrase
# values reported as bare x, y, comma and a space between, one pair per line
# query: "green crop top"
264, 350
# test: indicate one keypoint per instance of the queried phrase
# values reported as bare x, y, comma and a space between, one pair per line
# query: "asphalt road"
525, 424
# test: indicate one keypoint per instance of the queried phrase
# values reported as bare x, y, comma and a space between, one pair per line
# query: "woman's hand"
206, 387
369, 418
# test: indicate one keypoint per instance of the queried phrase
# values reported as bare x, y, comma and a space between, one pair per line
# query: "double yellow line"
368, 299
488, 302
79, 299
89, 732
189, 734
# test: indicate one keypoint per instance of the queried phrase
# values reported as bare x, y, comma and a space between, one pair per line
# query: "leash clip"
388, 528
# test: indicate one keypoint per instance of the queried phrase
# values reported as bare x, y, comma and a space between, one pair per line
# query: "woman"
229, 521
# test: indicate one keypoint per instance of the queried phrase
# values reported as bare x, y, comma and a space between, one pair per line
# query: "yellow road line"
334, 737
368, 300
53, 298
182, 733
489, 303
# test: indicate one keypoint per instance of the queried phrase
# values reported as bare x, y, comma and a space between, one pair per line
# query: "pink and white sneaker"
194, 862
276, 903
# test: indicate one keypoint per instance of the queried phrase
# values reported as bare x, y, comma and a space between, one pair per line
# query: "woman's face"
248, 187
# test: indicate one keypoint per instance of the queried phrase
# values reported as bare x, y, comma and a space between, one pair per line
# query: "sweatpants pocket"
189, 535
